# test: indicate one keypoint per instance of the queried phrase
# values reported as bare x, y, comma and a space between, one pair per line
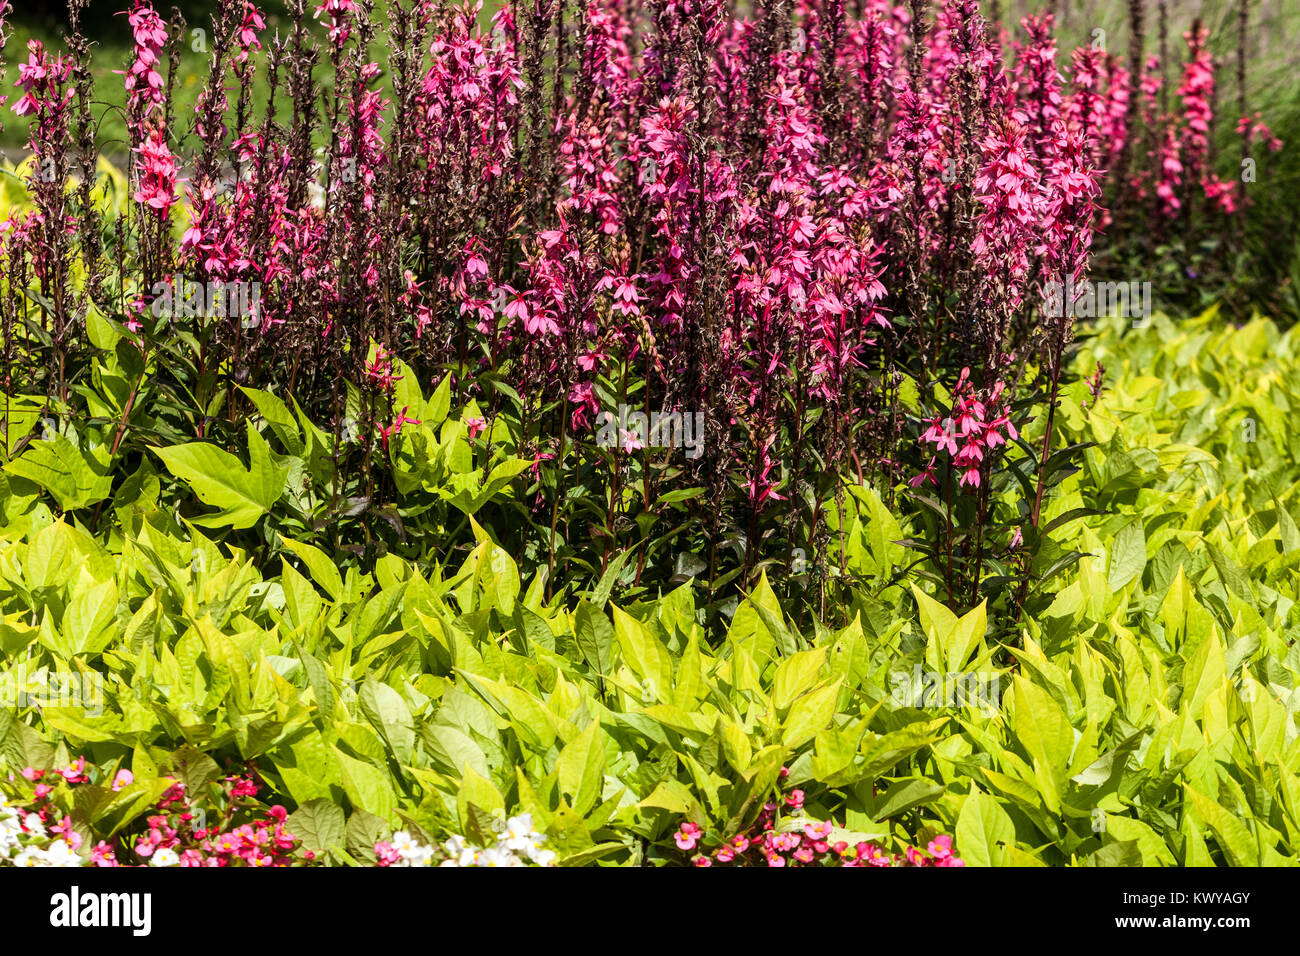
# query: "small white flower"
498, 856
28, 856
543, 857
164, 857
422, 857
455, 846
520, 827
404, 843
59, 853
34, 825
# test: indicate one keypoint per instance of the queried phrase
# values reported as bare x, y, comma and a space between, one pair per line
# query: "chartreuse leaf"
950, 641
1045, 732
75, 478
581, 768
1230, 833
221, 481
1128, 555
796, 674
809, 714
477, 791
984, 830
322, 569
279, 417
645, 655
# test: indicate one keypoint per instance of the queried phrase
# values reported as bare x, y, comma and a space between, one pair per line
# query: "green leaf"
278, 416
809, 714
796, 674
368, 788
595, 636
73, 477
388, 714
581, 768
320, 825
647, 658
904, 795
364, 830
221, 481
982, 829
1128, 555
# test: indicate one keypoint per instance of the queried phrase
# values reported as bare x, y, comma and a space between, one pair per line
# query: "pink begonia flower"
102, 855
65, 830
818, 831
687, 835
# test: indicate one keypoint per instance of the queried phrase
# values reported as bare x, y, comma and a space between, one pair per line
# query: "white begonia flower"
28, 856
403, 842
422, 857
460, 852
535, 851
164, 857
34, 825
519, 833
60, 853
543, 857
455, 846
498, 856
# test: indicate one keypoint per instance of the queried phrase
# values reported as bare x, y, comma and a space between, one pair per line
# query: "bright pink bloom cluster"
262, 840
799, 841
157, 182
41, 81
144, 81
973, 427
336, 13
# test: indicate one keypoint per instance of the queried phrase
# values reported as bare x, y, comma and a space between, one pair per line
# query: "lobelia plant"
809, 227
